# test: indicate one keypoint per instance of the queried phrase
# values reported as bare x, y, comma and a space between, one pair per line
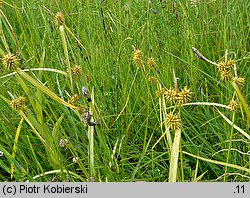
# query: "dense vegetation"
124, 90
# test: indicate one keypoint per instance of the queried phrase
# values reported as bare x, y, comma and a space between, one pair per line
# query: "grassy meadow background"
45, 137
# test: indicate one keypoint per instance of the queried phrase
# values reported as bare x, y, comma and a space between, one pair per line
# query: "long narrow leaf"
15, 144
236, 127
44, 88
218, 162
243, 102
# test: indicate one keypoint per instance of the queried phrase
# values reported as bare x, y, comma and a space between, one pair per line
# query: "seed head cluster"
59, 18
173, 121
233, 105
152, 79
10, 61
225, 69
170, 95
239, 81
151, 63
19, 104
226, 75
184, 95
76, 71
74, 99
181, 97
138, 57
225, 66
139, 61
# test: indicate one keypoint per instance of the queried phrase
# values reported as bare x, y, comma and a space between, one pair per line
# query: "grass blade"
218, 162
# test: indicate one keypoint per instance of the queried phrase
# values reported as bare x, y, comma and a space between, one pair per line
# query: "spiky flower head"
76, 71
173, 121
74, 99
222, 66
152, 79
137, 57
19, 104
171, 95
226, 75
225, 66
230, 64
184, 95
233, 105
151, 63
10, 61
59, 18
239, 81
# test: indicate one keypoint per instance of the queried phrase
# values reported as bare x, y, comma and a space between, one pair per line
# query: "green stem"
62, 33
182, 163
175, 156
229, 146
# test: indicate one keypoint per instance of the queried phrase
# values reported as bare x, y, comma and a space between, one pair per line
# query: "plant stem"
229, 146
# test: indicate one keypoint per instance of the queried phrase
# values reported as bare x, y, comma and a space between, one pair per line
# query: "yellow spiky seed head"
10, 61
151, 63
226, 66
233, 105
173, 121
239, 81
18, 103
184, 95
171, 95
137, 57
230, 64
152, 79
76, 71
226, 75
222, 66
74, 99
59, 18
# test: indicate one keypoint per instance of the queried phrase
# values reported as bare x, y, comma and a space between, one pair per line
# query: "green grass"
132, 139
